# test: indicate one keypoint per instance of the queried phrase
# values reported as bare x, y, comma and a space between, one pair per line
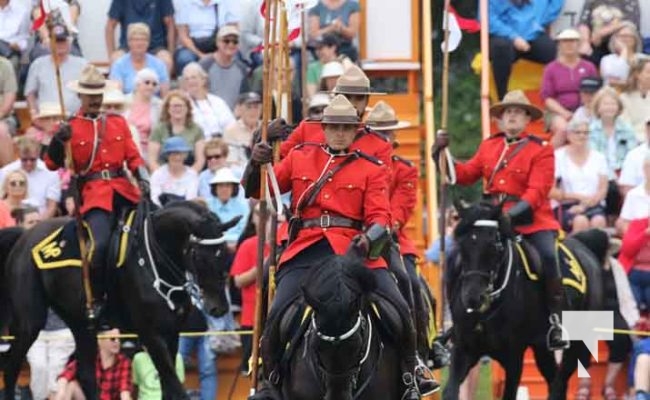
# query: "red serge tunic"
358, 191
115, 147
403, 197
529, 175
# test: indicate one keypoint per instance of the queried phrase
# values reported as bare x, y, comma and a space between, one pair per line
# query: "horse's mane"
336, 281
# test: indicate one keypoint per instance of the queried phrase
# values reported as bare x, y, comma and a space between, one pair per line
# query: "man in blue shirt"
157, 14
518, 30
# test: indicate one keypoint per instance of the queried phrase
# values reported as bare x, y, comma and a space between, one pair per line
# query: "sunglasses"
20, 183
150, 83
230, 41
214, 156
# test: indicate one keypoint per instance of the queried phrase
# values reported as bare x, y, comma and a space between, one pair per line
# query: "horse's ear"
227, 225
361, 274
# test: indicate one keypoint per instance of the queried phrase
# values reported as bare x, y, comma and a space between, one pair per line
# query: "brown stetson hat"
354, 81
91, 81
516, 98
340, 112
383, 118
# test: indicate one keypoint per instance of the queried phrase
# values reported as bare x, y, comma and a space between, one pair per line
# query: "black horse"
497, 310
343, 351
152, 290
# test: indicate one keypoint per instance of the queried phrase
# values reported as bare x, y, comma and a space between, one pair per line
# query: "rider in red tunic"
100, 146
339, 200
519, 167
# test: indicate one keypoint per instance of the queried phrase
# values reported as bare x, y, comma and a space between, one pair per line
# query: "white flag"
455, 34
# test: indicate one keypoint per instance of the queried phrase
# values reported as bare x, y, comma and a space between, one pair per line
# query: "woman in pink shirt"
561, 83
143, 109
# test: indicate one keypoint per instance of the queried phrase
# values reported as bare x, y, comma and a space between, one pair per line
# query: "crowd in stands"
186, 76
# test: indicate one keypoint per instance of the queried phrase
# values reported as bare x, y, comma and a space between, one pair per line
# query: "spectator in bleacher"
327, 51
611, 135
635, 97
637, 201
624, 47
331, 72
518, 30
41, 86
340, 18
561, 84
205, 356
589, 86
125, 68
44, 186
48, 355
26, 216
174, 179
216, 153
239, 135
143, 106
639, 371
8, 121
65, 12
582, 176
158, 16
317, 104
176, 120
14, 31
632, 171
227, 75
619, 300
226, 204
210, 112
6, 219
198, 22
113, 371
145, 376
598, 22
278, 74
635, 258
14, 189
44, 125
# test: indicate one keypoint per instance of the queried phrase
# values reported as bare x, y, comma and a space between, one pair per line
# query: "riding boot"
554, 298
416, 376
98, 288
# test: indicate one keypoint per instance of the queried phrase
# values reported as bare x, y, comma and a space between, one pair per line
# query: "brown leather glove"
441, 143
278, 129
262, 153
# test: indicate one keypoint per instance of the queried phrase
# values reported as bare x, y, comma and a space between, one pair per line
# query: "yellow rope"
133, 335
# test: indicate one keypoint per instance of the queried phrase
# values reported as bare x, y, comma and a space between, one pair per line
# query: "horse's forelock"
329, 285
472, 214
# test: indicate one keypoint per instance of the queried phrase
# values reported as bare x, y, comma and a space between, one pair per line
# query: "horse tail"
8, 238
588, 248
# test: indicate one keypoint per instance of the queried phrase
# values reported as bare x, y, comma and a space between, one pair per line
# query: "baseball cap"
228, 30
590, 84
249, 98
61, 32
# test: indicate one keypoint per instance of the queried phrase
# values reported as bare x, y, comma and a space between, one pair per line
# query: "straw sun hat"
383, 118
516, 98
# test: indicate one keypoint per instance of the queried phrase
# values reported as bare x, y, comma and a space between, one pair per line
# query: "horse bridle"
339, 338
492, 275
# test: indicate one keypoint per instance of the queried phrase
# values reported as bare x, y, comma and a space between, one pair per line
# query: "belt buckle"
106, 174
325, 221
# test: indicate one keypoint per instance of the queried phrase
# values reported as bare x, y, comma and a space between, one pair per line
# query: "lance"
69, 165
303, 62
264, 214
485, 64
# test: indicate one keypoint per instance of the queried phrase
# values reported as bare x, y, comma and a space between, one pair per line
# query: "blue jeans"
206, 363
640, 284
641, 347
182, 57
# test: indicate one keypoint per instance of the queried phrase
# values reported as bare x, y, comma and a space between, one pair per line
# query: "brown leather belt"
332, 221
105, 174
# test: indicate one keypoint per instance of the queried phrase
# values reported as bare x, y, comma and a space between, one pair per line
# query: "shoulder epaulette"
368, 157
402, 159
538, 140
369, 130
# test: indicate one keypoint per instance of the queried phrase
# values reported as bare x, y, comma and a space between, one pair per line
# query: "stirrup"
426, 376
554, 320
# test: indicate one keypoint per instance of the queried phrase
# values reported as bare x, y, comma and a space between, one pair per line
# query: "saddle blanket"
60, 249
573, 274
